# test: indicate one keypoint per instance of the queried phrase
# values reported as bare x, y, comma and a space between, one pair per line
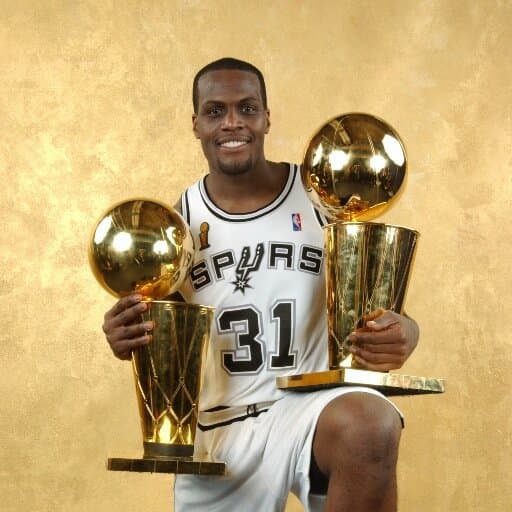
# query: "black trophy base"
168, 458
390, 384
168, 450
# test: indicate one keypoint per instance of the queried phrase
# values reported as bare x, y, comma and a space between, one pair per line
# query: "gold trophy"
144, 246
353, 170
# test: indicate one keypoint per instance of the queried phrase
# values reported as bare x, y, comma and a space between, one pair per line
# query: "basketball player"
259, 262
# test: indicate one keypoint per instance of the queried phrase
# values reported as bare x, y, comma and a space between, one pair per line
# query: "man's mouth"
233, 143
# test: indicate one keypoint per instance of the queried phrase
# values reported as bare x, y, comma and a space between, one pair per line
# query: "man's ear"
194, 125
267, 115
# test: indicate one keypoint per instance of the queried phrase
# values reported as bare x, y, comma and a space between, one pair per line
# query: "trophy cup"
353, 170
144, 246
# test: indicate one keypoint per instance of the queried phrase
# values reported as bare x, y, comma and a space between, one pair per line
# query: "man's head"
231, 118
228, 63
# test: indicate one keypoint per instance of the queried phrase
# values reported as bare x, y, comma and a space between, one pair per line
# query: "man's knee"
357, 428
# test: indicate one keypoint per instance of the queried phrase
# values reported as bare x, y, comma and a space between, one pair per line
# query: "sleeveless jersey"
263, 273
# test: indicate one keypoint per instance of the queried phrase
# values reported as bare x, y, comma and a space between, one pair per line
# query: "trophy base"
390, 384
181, 451
185, 465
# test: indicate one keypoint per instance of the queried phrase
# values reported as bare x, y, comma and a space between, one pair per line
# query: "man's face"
231, 120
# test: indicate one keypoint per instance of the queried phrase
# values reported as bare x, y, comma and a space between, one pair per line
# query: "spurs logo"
204, 228
225, 265
244, 267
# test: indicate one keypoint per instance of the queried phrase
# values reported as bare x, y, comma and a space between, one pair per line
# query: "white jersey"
263, 273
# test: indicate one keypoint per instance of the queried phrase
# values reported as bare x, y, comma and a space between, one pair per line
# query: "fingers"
365, 349
390, 335
122, 349
381, 321
382, 345
123, 303
123, 326
373, 314
380, 357
124, 311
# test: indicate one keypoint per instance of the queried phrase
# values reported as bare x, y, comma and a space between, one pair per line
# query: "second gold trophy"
353, 170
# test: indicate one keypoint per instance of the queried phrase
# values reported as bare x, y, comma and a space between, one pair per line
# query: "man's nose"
232, 119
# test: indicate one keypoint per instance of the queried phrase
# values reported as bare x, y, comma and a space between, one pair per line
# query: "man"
259, 263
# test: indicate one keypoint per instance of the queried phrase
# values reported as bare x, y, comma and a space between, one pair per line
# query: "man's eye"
214, 111
248, 109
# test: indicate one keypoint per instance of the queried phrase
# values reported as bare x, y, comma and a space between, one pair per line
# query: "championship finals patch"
296, 222
204, 229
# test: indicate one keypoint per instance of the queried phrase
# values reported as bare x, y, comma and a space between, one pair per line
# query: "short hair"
228, 63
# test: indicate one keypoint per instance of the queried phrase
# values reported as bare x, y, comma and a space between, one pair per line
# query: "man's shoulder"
179, 203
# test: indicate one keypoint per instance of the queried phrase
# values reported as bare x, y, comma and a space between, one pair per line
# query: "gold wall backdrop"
95, 107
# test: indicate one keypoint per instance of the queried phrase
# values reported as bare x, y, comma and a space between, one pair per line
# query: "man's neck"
249, 191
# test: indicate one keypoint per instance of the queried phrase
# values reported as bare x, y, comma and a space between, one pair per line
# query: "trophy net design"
168, 377
145, 246
353, 170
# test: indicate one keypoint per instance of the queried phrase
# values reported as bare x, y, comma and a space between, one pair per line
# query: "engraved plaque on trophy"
353, 170
144, 246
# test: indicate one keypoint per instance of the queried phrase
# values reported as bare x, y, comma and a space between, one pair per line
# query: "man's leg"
355, 450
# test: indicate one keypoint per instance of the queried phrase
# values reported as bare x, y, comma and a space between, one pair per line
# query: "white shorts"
266, 457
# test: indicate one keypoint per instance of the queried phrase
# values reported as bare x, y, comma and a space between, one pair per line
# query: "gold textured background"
95, 107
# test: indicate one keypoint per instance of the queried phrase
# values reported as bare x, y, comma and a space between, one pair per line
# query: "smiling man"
259, 262
230, 146
231, 120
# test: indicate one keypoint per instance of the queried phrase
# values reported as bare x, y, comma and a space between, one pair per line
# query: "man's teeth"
233, 144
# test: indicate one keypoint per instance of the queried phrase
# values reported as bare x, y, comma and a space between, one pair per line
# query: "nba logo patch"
296, 222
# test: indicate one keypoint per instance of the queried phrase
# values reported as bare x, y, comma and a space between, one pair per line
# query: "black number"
283, 315
248, 321
246, 326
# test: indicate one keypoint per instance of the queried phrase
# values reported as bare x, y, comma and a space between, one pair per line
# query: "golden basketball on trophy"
354, 169
144, 246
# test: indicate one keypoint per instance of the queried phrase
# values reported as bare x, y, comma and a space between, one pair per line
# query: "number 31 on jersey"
244, 324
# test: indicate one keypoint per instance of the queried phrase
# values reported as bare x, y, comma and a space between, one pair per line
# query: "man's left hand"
385, 342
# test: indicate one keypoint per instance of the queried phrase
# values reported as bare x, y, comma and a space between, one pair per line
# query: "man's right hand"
123, 327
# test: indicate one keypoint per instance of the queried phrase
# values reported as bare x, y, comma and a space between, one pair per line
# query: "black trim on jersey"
244, 217
320, 218
217, 408
185, 206
249, 414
